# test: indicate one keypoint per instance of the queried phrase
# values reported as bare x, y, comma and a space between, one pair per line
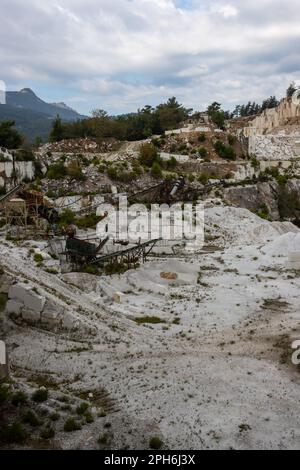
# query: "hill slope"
27, 99
32, 115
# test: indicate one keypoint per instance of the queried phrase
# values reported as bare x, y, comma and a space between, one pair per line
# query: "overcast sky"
119, 55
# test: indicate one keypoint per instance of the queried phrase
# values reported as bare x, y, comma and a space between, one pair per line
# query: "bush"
3, 301
13, 433
231, 139
82, 408
4, 393
91, 269
155, 443
47, 433
202, 137
204, 178
31, 418
88, 221
67, 217
171, 164
40, 395
19, 398
74, 171
147, 319
113, 173
24, 155
54, 416
71, 425
224, 151
202, 152
148, 155
57, 171
156, 170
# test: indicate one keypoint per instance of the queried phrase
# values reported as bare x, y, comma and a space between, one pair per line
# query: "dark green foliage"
57, 133
57, 171
3, 301
18, 398
134, 126
82, 408
147, 319
9, 137
67, 217
155, 443
148, 155
224, 151
47, 433
31, 418
217, 115
4, 393
288, 203
202, 152
156, 170
13, 433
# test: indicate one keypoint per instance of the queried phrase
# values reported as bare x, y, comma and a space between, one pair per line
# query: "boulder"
25, 294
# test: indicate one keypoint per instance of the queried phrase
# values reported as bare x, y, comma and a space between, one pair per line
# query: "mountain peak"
27, 90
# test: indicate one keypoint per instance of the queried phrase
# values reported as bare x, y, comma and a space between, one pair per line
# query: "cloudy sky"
121, 54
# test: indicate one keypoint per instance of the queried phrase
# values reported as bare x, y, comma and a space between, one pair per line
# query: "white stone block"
26, 295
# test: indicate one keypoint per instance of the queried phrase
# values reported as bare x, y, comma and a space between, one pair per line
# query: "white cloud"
123, 53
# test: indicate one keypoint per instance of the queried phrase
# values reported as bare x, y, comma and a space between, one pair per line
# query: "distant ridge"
27, 99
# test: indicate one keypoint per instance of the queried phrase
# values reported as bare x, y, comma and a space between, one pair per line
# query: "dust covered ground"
196, 350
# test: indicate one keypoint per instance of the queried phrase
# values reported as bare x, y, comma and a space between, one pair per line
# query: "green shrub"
74, 170
38, 258
148, 319
71, 425
204, 178
203, 152
104, 439
231, 140
148, 155
54, 416
156, 170
4, 393
82, 408
3, 301
202, 137
155, 443
41, 395
13, 433
89, 418
226, 152
47, 432
113, 173
57, 171
91, 269
31, 418
67, 217
88, 221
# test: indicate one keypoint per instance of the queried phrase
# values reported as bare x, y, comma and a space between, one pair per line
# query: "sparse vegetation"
41, 395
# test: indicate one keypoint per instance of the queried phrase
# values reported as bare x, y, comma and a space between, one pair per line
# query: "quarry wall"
23, 170
272, 118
